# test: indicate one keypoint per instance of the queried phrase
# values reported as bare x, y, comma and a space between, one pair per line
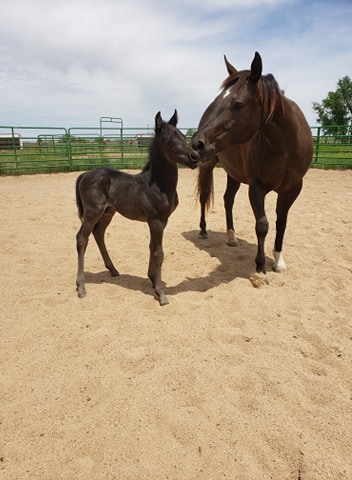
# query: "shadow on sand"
234, 262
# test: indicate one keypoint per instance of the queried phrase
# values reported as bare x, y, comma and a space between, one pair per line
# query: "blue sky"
68, 63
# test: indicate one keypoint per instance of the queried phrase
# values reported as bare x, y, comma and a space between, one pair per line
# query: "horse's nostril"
195, 156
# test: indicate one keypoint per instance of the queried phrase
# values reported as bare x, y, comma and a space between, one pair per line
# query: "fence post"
69, 150
14, 147
317, 144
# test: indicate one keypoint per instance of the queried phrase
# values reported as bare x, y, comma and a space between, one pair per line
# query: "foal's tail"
78, 196
205, 184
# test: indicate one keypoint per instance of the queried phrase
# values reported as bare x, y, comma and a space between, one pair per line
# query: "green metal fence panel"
25, 150
33, 150
332, 147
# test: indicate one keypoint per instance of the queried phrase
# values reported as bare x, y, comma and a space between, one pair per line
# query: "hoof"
231, 239
163, 301
259, 280
203, 236
233, 243
115, 273
279, 263
279, 268
81, 293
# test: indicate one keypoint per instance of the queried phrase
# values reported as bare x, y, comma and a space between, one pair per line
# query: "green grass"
332, 156
83, 154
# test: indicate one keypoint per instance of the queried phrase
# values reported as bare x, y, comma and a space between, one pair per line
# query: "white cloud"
70, 62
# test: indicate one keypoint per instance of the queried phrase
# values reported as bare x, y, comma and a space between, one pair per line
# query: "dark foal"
149, 196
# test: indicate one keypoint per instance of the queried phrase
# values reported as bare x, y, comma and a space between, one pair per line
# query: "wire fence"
26, 150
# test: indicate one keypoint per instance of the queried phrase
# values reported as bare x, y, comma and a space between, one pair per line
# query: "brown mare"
149, 196
262, 139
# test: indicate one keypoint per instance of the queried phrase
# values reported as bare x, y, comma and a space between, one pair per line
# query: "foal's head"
172, 144
246, 103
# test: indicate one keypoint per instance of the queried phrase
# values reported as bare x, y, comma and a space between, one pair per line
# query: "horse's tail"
78, 196
205, 184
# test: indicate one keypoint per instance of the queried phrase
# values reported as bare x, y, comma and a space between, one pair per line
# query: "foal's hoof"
163, 301
259, 280
203, 236
81, 292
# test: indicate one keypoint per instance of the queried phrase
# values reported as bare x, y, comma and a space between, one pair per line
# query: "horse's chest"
168, 203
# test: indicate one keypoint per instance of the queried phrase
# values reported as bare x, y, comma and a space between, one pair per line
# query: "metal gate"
25, 150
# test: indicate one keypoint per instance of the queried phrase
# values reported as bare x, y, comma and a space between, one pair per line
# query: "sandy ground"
227, 381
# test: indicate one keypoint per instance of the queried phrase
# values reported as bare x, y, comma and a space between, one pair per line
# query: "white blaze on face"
226, 93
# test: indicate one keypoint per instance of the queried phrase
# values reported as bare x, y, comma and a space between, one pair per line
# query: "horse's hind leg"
232, 187
284, 202
202, 224
156, 258
99, 234
206, 193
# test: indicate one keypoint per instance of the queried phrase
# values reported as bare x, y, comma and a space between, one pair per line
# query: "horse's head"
172, 143
235, 114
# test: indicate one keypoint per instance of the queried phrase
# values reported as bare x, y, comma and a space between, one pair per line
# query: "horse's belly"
236, 167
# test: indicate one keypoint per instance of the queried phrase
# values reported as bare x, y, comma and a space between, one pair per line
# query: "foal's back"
134, 196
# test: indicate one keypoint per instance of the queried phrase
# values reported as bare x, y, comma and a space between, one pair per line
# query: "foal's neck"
163, 172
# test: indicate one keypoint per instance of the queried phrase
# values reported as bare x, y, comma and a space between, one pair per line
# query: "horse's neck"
274, 134
282, 130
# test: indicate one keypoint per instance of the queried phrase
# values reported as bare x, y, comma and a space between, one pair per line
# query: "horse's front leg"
156, 258
256, 196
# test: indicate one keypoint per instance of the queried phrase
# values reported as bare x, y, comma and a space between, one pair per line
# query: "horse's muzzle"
206, 152
193, 160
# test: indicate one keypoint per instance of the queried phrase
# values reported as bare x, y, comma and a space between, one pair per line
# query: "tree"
336, 109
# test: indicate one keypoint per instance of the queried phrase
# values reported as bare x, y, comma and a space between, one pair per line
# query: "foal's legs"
284, 203
232, 187
156, 258
93, 220
99, 233
81, 243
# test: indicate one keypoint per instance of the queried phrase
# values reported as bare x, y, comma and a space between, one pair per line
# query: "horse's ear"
256, 68
158, 121
174, 119
230, 68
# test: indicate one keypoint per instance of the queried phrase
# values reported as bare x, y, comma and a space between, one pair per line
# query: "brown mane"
269, 94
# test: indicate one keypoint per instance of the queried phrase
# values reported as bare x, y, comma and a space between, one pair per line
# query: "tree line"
335, 110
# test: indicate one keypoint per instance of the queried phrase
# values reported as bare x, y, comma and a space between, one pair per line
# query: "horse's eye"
237, 105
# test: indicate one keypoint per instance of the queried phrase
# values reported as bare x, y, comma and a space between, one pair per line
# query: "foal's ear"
174, 119
230, 68
158, 121
256, 68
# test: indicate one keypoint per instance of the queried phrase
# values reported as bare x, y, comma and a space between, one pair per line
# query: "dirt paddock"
227, 381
